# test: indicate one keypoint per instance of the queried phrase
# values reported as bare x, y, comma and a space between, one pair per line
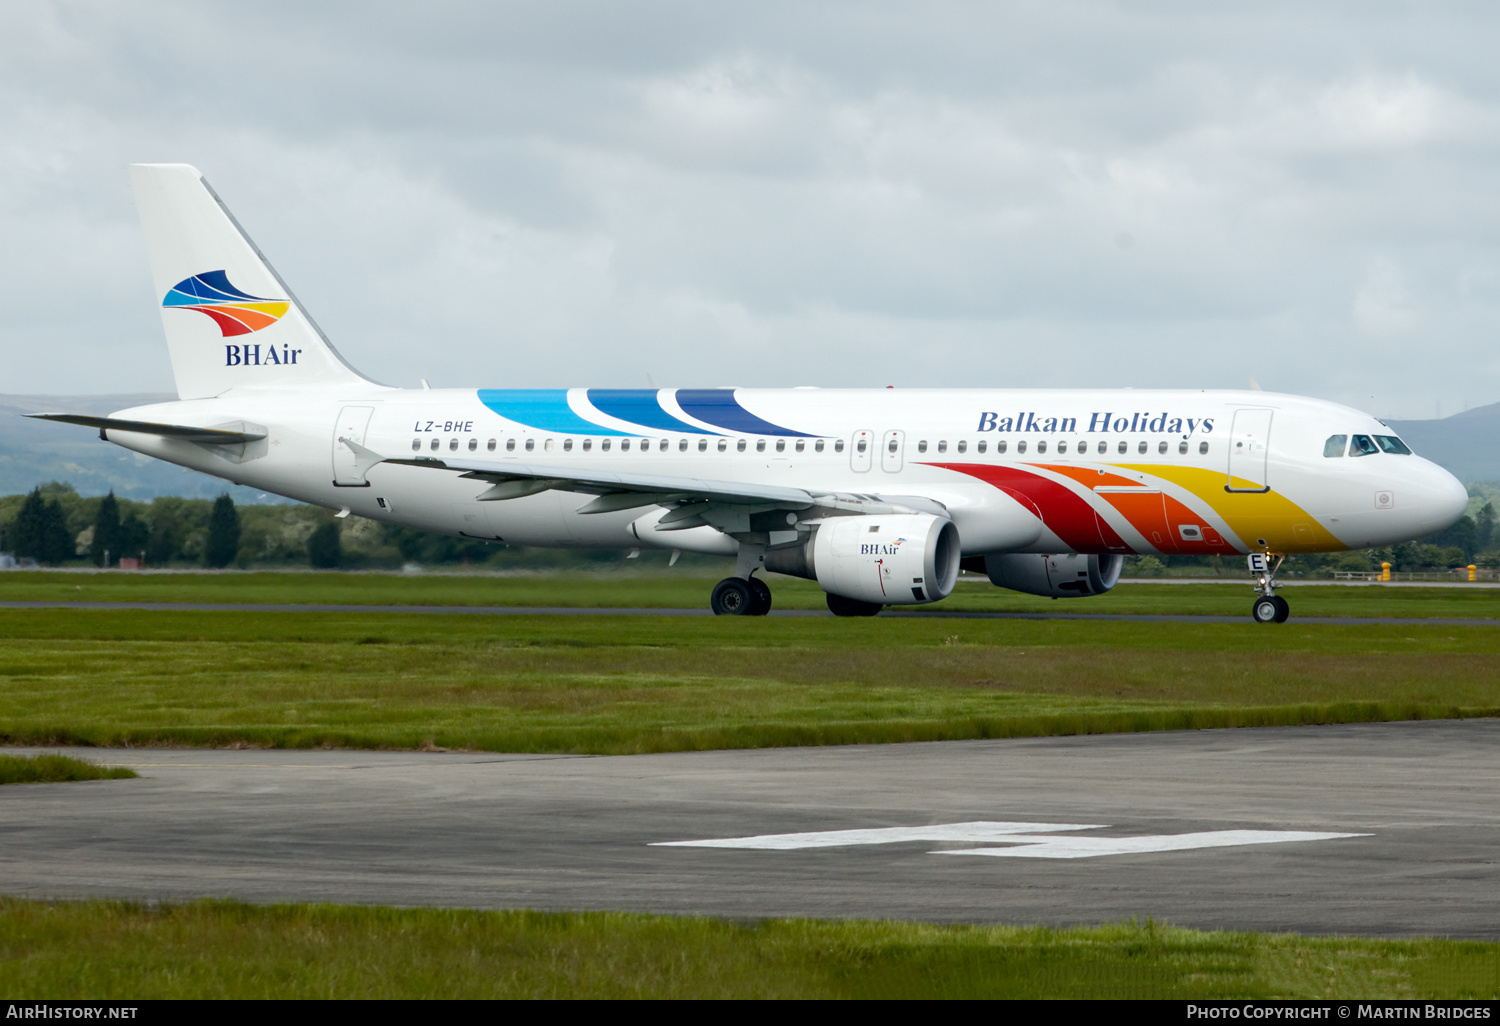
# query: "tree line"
56, 526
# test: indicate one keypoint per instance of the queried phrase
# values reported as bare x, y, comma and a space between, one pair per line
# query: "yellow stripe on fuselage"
1285, 526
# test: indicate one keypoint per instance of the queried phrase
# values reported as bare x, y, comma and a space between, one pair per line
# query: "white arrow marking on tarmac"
1092, 847
1026, 840
976, 831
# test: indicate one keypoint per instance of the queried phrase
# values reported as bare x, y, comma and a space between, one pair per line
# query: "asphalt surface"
290, 607
1079, 818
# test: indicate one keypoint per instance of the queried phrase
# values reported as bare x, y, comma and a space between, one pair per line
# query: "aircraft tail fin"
230, 320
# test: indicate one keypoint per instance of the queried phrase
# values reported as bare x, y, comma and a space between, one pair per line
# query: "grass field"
52, 769
691, 590
606, 684
104, 950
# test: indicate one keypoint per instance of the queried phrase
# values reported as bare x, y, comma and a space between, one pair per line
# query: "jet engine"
887, 560
1058, 576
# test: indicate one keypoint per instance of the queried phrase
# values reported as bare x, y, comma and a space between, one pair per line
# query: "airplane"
882, 496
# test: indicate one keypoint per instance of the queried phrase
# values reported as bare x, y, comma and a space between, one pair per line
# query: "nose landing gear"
1268, 606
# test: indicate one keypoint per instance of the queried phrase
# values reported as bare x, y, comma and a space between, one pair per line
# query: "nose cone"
1443, 499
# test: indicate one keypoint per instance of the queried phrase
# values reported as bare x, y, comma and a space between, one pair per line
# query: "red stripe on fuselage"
1066, 513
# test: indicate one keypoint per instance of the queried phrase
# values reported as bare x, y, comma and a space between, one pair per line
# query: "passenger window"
1041, 446
740, 445
800, 445
473, 444
1021, 447
664, 445
547, 445
781, 445
624, 445
760, 445
818, 445
646, 445
490, 445
1392, 444
434, 445
1362, 445
588, 443
981, 446
1202, 448
703, 445
891, 446
723, 444
416, 443
942, 446
510, 445
838, 445
861, 446
962, 446
453, 445
1124, 448
1062, 447
1161, 447
567, 445
604, 445
1182, 448
682, 444
530, 444
1000, 446
1334, 446
1141, 448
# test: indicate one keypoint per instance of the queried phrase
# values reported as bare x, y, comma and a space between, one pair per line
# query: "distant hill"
1464, 444
33, 452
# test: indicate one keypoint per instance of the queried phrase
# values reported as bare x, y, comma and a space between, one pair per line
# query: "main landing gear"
741, 596
1268, 606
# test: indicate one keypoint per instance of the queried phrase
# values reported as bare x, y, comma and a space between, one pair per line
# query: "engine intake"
889, 560
1057, 576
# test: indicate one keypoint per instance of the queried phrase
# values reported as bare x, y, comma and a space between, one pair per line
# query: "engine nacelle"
1055, 576
889, 560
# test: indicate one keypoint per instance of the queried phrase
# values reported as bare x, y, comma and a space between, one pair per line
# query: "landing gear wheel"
762, 592
733, 597
1282, 609
841, 606
1267, 609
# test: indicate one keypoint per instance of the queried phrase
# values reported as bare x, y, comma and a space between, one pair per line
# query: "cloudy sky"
862, 194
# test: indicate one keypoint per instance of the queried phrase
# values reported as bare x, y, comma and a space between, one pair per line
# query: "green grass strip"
618, 685
49, 769
219, 949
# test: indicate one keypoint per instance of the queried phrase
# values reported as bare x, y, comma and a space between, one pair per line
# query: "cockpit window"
1390, 443
1335, 445
1362, 445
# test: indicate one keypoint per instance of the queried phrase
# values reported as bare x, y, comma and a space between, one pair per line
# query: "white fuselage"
1079, 470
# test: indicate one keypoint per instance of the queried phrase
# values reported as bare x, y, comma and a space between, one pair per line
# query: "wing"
692, 501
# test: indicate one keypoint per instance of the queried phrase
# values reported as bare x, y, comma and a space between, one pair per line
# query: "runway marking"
1024, 840
980, 830
1093, 847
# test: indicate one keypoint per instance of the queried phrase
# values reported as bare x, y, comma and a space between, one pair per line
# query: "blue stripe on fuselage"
545, 409
638, 406
717, 406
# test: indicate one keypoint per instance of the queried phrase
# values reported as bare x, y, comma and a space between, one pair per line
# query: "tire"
1265, 609
838, 605
732, 597
1282, 610
762, 592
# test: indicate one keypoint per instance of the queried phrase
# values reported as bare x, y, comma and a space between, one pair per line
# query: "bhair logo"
235, 312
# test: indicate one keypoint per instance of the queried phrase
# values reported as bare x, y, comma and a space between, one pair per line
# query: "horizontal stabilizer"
188, 433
